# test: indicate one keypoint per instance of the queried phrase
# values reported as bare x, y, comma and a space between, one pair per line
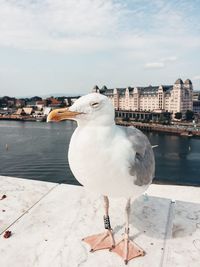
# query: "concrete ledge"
48, 221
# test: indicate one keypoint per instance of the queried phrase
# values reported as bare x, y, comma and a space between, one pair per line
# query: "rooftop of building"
179, 81
188, 81
142, 89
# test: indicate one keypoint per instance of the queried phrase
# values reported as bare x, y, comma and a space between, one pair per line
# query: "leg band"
107, 222
127, 231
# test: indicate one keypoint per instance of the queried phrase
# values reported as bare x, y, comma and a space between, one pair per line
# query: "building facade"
196, 96
164, 98
196, 106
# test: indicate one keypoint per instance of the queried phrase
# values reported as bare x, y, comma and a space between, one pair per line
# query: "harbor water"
36, 150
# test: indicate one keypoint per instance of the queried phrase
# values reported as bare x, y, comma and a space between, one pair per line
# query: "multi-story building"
196, 102
196, 106
164, 98
196, 96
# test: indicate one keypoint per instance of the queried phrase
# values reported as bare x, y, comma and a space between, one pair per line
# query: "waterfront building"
20, 103
28, 111
47, 110
53, 102
196, 106
41, 104
164, 98
30, 104
20, 112
24, 111
196, 96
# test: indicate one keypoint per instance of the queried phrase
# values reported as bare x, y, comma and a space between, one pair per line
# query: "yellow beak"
61, 114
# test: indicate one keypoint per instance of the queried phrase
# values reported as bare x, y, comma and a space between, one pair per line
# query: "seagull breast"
104, 160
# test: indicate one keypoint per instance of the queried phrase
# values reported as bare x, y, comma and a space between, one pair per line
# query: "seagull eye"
95, 104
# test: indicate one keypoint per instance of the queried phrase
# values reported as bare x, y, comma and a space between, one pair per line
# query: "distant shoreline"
40, 119
150, 127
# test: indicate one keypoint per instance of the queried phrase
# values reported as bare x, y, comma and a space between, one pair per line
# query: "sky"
68, 46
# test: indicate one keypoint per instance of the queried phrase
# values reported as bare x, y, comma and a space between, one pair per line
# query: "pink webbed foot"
100, 241
128, 250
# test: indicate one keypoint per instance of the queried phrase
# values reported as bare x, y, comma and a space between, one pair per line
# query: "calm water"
39, 151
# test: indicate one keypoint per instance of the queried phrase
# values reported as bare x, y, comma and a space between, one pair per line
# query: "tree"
189, 115
178, 115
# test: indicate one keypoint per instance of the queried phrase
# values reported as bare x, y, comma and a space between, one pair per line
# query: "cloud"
58, 24
102, 25
169, 59
154, 65
196, 78
163, 62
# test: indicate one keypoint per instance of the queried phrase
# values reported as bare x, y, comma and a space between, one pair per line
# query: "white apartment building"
170, 98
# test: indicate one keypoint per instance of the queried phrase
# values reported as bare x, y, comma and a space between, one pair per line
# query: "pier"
178, 129
48, 220
172, 129
21, 118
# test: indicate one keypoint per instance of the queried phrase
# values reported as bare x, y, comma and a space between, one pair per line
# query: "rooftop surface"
49, 220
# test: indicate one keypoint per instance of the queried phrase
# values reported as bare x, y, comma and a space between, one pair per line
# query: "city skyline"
52, 47
93, 89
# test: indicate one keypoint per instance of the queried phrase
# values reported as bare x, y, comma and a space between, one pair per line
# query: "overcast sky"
68, 46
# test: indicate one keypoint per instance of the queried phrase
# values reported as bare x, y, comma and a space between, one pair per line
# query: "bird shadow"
160, 218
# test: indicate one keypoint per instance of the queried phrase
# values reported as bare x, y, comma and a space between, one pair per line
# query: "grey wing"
142, 165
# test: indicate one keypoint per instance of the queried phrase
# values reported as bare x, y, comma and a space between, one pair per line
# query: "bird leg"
126, 248
103, 240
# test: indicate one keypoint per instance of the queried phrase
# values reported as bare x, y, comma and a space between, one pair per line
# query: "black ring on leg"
107, 222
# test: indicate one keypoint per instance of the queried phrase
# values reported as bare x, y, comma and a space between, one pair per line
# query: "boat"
189, 134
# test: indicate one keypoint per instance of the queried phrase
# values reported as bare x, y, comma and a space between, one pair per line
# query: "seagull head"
91, 109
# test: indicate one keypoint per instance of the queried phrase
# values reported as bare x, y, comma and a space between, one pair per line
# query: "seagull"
110, 160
